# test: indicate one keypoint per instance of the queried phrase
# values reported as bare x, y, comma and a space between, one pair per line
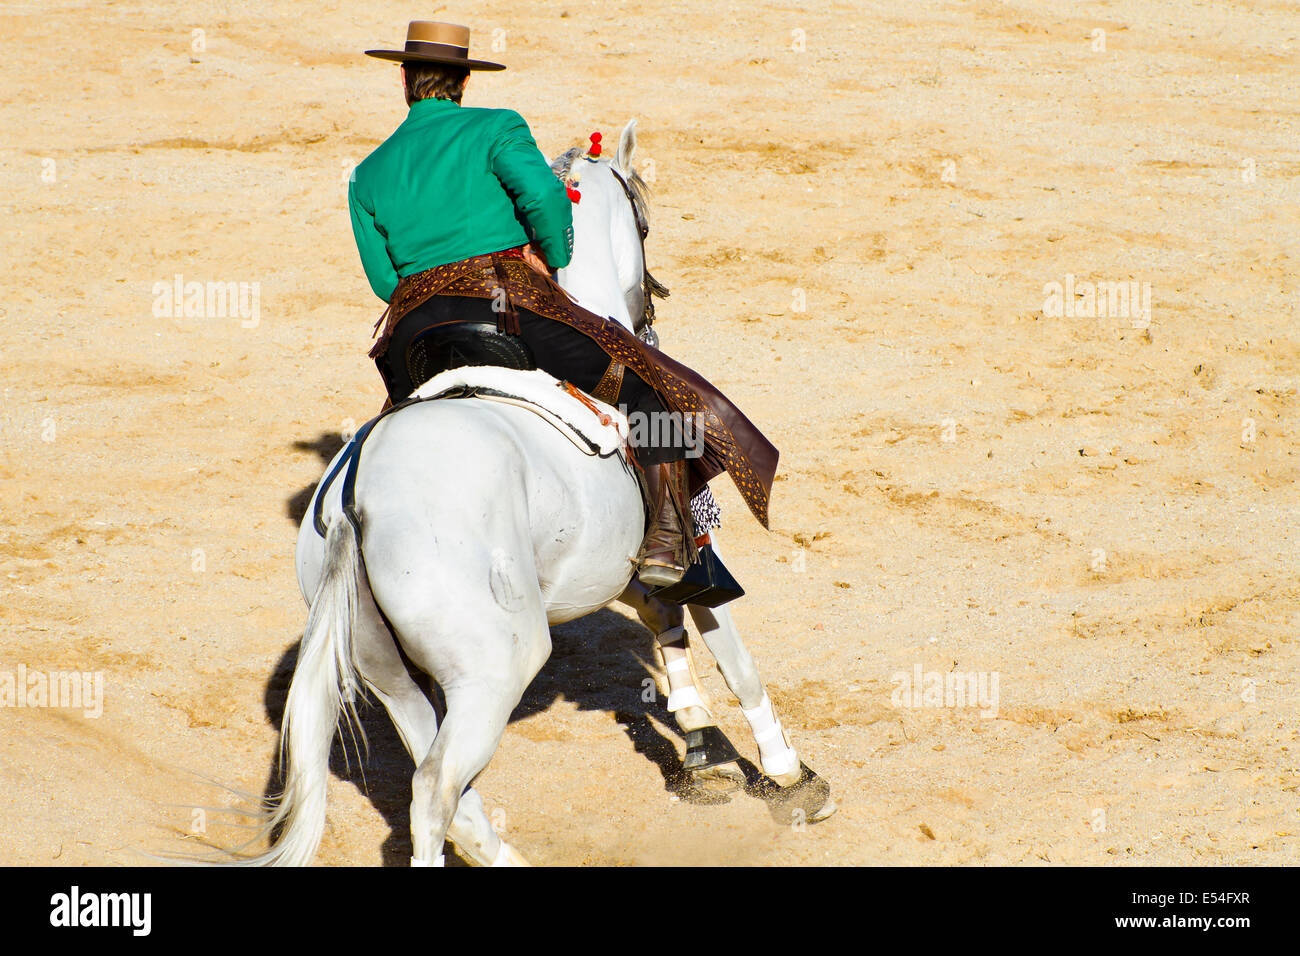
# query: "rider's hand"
535, 259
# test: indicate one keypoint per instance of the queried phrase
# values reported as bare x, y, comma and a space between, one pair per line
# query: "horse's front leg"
779, 758
799, 793
710, 757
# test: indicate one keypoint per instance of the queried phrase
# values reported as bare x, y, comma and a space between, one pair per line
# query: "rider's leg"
668, 546
658, 439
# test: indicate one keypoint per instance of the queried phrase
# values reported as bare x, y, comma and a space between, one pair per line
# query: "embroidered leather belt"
503, 275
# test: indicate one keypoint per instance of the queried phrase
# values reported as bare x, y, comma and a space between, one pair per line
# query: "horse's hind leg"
479, 703
483, 645
417, 724
470, 830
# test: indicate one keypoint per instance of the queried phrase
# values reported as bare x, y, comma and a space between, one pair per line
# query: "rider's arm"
372, 245
539, 197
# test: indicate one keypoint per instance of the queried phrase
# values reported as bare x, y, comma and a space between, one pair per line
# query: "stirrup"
706, 583
655, 573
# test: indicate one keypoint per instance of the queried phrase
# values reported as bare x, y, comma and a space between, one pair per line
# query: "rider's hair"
434, 81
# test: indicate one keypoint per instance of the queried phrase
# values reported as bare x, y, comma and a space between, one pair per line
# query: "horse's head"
607, 274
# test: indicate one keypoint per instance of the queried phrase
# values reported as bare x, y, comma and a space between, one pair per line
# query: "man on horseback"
459, 221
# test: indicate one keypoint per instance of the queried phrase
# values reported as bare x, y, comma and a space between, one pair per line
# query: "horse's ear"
626, 147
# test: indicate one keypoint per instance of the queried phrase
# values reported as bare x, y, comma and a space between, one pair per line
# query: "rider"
457, 211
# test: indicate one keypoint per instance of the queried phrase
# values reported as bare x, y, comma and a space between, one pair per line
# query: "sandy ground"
859, 208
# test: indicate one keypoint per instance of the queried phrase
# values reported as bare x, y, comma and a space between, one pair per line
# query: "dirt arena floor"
878, 222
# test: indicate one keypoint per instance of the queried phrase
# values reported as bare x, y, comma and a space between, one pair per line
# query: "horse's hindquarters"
442, 487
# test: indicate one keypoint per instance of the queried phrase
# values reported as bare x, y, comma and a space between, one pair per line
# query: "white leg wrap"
503, 854
682, 691
686, 696
777, 756
439, 860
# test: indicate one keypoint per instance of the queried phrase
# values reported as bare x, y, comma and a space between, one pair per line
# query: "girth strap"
349, 461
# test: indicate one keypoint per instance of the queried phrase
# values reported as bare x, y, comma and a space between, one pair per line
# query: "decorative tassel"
582, 397
571, 184
595, 145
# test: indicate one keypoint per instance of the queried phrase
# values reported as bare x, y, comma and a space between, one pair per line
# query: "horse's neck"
606, 272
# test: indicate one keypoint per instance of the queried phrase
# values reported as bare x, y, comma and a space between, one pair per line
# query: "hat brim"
401, 56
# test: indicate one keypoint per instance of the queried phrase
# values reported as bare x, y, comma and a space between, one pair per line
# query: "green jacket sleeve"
539, 197
372, 245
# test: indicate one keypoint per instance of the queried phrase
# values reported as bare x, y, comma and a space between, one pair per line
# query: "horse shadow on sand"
599, 662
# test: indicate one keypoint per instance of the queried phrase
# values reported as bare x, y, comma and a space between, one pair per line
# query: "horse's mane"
564, 162
640, 198
639, 189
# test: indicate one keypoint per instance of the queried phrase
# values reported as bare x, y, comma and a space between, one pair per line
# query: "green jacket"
454, 182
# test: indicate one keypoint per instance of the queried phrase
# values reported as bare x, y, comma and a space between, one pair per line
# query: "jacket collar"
430, 106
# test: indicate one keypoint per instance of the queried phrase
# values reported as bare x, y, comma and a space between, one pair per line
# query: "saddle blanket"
603, 431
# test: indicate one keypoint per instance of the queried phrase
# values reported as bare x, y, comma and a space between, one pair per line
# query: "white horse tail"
323, 689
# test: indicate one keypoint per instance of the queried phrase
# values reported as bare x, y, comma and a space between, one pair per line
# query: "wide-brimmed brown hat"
428, 41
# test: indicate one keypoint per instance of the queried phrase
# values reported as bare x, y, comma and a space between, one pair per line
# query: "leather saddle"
456, 344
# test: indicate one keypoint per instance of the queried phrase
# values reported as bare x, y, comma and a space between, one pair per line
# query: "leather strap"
650, 286
508, 320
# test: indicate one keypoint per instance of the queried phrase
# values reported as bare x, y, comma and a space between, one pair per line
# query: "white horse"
482, 526
608, 275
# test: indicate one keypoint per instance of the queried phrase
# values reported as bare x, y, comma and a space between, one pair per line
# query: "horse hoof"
788, 779
709, 747
807, 800
724, 778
